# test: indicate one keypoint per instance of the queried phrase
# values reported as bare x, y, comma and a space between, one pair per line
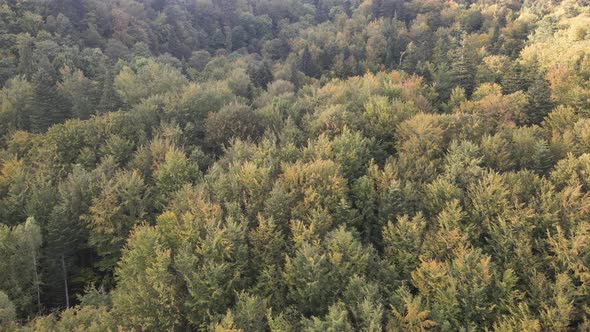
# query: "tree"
250, 313
412, 317
513, 80
335, 320
252, 165
66, 243
26, 65
20, 251
260, 73
48, 105
149, 78
307, 65
234, 120
210, 259
318, 194
80, 91
109, 100
267, 250
7, 310
173, 173
121, 205
462, 71
403, 241
146, 296
540, 104
16, 102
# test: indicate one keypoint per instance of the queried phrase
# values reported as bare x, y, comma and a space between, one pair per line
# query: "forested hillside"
295, 165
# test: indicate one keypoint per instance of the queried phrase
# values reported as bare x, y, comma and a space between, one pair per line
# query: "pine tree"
118, 208
250, 312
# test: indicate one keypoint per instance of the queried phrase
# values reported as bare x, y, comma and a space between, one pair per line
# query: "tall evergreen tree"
109, 101
19, 265
260, 73
389, 8
66, 244
540, 104
48, 106
25, 46
513, 80
462, 71
307, 65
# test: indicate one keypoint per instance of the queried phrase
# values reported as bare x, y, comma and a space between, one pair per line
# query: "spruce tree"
260, 73
462, 71
540, 104
409, 58
19, 265
48, 106
25, 45
389, 8
513, 80
109, 101
307, 66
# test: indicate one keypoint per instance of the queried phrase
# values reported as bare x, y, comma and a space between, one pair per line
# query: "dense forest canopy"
295, 165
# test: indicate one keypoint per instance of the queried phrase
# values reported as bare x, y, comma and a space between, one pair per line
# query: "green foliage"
147, 79
7, 310
173, 173
114, 212
335, 320
16, 103
48, 106
217, 165
146, 294
20, 247
235, 120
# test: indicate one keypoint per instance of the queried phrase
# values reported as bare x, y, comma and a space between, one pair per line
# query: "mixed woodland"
295, 165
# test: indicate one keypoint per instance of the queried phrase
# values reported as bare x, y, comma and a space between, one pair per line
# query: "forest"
295, 165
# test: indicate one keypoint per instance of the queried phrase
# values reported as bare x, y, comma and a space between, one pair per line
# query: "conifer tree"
48, 106
540, 103
307, 65
19, 265
109, 101
462, 71
26, 65
513, 79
